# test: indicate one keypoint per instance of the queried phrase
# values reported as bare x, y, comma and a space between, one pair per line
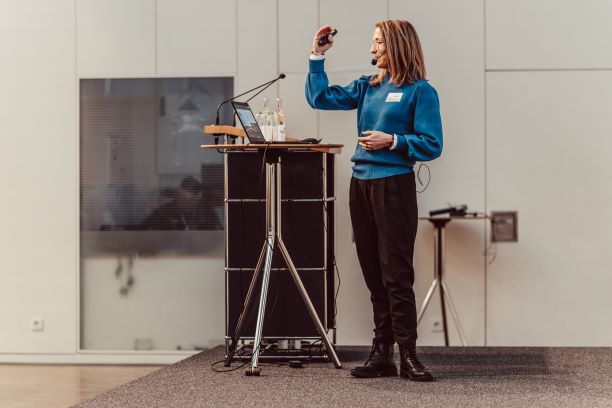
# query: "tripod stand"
273, 241
439, 224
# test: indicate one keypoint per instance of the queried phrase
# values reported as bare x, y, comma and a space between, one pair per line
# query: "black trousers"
384, 215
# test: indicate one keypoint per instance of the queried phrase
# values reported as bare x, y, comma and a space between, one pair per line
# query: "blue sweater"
410, 112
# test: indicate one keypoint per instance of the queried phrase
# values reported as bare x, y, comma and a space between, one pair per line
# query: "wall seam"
277, 46
155, 28
317, 112
547, 69
486, 203
236, 44
77, 260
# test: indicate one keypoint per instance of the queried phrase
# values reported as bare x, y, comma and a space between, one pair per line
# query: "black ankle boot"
411, 367
379, 363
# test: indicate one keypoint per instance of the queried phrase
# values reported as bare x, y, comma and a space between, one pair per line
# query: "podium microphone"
263, 86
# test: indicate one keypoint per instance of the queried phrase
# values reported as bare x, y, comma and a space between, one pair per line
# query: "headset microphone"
375, 60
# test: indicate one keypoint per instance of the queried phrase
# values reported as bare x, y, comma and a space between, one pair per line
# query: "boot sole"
387, 372
405, 374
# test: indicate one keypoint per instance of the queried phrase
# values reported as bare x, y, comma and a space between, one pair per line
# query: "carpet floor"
500, 377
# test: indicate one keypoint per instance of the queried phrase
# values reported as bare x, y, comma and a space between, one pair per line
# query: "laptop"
252, 129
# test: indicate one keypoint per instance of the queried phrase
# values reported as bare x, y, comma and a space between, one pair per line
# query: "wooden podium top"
321, 147
238, 132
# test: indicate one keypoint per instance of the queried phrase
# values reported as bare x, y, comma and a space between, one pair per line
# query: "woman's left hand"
375, 140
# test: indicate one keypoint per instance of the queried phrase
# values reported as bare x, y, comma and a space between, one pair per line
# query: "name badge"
394, 97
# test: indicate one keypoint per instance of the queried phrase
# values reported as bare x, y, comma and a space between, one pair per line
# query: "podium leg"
246, 308
309, 305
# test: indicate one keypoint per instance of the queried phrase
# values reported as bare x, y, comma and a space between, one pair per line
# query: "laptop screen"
249, 123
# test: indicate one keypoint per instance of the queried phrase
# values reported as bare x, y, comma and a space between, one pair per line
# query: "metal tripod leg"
246, 308
254, 370
454, 314
296, 277
427, 299
271, 236
309, 305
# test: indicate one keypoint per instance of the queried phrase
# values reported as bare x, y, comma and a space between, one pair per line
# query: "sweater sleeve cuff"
400, 144
394, 143
316, 65
316, 57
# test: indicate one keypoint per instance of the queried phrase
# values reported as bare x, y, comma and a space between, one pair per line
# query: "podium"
273, 157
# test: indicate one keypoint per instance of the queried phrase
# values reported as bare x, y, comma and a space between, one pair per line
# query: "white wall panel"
298, 23
457, 73
38, 173
548, 157
301, 118
548, 34
196, 37
351, 52
115, 38
257, 49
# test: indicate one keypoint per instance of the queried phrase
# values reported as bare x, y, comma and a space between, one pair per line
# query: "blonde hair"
403, 51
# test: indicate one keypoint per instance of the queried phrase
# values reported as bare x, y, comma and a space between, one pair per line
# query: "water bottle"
280, 120
271, 128
265, 120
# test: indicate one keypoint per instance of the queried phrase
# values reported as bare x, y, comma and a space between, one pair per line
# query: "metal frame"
289, 354
273, 241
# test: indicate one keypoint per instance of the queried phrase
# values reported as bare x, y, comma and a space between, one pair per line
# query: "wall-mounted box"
504, 226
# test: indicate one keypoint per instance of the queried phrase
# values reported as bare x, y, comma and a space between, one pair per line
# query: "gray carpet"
465, 377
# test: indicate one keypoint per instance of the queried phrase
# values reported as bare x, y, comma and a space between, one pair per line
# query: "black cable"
418, 176
312, 345
487, 254
261, 172
334, 263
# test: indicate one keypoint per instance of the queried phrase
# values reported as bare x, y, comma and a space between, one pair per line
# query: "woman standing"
398, 121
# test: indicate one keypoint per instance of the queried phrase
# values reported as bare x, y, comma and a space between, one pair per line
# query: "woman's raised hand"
323, 32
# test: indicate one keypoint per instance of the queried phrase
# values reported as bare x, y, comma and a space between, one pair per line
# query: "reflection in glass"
151, 203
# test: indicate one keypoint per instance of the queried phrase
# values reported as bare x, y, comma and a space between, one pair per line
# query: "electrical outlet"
37, 324
436, 325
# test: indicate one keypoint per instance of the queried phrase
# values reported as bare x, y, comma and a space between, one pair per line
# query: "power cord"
333, 259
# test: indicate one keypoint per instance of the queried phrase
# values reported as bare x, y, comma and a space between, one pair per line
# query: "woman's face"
378, 49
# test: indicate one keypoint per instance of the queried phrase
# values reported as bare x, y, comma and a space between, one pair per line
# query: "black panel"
303, 232
286, 313
302, 175
246, 176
